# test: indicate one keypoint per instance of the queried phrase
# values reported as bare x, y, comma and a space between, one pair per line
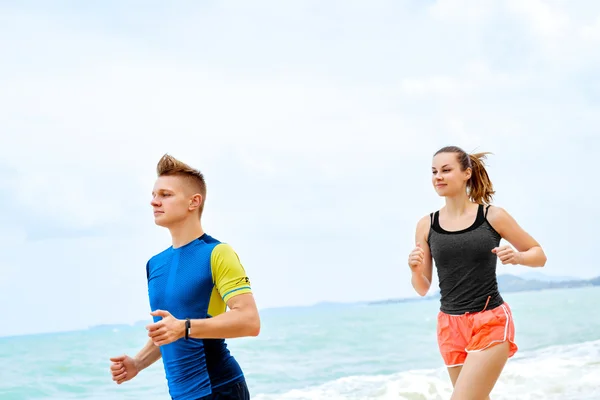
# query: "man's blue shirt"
195, 281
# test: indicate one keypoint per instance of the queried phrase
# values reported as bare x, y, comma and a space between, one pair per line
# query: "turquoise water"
334, 352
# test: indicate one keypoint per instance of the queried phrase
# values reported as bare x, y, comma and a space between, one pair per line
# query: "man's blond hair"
170, 166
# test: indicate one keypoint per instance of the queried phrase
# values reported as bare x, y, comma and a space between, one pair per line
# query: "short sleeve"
228, 273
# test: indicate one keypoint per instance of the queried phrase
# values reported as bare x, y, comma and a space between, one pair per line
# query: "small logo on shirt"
245, 280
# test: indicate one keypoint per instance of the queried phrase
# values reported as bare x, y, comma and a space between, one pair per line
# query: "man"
190, 286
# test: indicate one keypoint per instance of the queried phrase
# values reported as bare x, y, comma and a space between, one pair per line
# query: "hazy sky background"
314, 124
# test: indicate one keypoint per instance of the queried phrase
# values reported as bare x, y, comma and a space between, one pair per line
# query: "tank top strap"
435, 219
479, 219
480, 213
487, 208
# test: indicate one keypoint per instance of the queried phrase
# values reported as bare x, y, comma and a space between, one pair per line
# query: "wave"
565, 372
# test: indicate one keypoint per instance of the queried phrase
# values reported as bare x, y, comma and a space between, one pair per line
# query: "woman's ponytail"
479, 186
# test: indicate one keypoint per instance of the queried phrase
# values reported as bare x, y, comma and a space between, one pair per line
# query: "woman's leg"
479, 374
454, 372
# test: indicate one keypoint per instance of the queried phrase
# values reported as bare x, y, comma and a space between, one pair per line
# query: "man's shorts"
233, 391
459, 335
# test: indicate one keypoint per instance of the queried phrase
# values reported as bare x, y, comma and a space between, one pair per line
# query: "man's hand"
167, 330
123, 368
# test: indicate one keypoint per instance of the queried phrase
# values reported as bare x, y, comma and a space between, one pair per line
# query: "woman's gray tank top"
465, 264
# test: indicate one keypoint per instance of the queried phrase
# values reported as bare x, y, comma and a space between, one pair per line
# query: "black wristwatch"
188, 326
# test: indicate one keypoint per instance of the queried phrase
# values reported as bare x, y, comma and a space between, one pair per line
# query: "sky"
314, 124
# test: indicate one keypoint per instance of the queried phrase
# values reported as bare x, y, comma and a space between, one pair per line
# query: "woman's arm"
420, 259
529, 252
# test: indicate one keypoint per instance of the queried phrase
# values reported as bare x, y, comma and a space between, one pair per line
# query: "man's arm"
241, 320
124, 368
233, 286
147, 356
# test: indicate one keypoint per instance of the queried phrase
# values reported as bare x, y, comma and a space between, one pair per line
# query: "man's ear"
195, 201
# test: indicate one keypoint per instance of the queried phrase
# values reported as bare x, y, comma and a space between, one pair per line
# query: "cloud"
313, 122
545, 19
591, 32
463, 10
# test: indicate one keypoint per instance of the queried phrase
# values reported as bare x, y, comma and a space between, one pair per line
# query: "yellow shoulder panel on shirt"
228, 273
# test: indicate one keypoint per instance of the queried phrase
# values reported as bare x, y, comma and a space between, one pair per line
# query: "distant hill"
109, 327
405, 299
120, 326
540, 276
508, 283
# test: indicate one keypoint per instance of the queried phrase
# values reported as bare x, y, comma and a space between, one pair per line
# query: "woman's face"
447, 177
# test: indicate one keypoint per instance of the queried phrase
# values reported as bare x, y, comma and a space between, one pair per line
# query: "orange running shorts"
459, 335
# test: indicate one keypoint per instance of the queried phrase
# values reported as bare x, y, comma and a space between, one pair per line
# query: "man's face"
173, 200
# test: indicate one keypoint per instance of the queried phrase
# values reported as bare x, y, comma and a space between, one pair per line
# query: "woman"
475, 327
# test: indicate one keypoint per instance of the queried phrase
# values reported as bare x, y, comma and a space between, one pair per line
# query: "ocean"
350, 352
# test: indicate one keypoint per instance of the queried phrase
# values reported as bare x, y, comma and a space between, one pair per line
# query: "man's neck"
186, 232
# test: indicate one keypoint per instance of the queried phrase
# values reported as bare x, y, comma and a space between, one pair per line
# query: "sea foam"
553, 373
